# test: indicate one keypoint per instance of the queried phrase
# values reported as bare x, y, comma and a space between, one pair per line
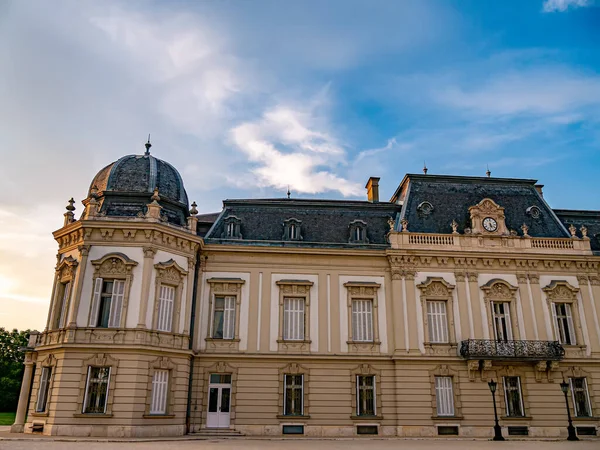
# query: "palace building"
318, 317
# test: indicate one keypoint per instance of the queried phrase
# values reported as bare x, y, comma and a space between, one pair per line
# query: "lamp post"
497, 429
564, 386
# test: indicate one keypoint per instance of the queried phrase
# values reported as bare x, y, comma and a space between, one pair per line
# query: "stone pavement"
14, 442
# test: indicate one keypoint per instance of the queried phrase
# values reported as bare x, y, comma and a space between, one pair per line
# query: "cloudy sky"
248, 97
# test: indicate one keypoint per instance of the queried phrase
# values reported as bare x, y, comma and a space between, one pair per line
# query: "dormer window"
232, 228
358, 232
292, 230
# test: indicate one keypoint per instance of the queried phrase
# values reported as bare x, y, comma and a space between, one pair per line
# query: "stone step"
217, 432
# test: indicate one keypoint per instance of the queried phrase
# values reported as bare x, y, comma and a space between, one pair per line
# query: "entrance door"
219, 401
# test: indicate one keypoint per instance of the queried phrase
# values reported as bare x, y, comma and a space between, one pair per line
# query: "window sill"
515, 417
446, 418
40, 414
290, 341
366, 418
586, 419
92, 415
221, 340
292, 418
158, 416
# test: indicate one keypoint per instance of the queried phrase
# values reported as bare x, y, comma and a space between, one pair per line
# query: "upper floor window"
500, 298
223, 325
96, 390
166, 300
64, 291
562, 302
292, 230
362, 320
502, 325
224, 312
65, 273
438, 317
513, 397
294, 315
363, 326
293, 318
358, 232
437, 321
107, 303
565, 330
581, 397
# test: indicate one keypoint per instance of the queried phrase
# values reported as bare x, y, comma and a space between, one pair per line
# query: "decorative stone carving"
404, 224
487, 208
425, 209
573, 231
525, 230
454, 226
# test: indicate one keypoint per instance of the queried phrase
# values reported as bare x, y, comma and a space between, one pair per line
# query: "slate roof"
324, 223
451, 197
591, 219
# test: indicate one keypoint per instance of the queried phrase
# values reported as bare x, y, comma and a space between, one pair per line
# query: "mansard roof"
451, 196
589, 219
324, 223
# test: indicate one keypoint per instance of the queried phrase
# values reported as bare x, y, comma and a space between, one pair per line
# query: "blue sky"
248, 97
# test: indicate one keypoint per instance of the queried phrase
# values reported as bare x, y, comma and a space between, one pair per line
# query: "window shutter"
570, 323
95, 302
362, 320
293, 319
160, 383
165, 308
438, 322
43, 390
63, 308
116, 304
229, 318
444, 396
555, 323
509, 335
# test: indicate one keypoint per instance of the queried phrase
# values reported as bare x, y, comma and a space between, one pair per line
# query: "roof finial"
70, 206
425, 168
487, 172
148, 145
288, 192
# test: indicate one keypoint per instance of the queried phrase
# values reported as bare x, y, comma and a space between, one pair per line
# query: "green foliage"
11, 367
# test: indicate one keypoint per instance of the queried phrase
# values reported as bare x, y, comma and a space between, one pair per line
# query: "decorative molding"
443, 370
294, 369
484, 209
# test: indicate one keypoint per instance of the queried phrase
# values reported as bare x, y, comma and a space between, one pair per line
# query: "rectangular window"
160, 384
294, 395
293, 319
501, 316
362, 320
437, 322
165, 308
444, 396
107, 303
365, 395
224, 318
42, 398
581, 397
65, 289
96, 390
513, 397
565, 331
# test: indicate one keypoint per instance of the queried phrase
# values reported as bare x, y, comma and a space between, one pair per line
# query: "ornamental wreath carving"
113, 264
436, 287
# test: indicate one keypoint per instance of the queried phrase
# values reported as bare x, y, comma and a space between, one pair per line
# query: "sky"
247, 98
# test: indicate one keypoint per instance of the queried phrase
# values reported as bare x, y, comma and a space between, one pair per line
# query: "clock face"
490, 224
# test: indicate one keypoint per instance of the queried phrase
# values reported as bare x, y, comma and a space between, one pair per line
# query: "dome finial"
194, 211
487, 172
148, 145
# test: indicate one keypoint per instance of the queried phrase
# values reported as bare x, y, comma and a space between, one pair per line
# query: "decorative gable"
487, 217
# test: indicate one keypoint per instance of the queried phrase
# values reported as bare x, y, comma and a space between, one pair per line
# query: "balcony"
512, 350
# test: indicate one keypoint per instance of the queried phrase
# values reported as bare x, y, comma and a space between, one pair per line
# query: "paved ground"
344, 444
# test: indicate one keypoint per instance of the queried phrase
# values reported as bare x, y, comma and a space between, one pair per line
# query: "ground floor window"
444, 396
294, 395
581, 397
160, 384
96, 390
365, 395
43, 390
513, 397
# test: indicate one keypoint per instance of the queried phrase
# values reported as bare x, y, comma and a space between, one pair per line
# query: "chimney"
539, 187
373, 189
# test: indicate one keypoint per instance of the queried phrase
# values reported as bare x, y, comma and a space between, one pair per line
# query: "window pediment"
232, 228
559, 290
497, 289
66, 269
436, 287
292, 229
358, 232
113, 264
170, 271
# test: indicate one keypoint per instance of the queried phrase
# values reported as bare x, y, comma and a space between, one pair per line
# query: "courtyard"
293, 444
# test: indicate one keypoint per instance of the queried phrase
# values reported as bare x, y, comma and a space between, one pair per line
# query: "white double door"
219, 401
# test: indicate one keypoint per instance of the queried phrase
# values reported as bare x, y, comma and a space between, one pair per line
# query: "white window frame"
560, 322
230, 229
41, 403
166, 307
294, 318
587, 396
520, 390
358, 402
62, 311
437, 321
87, 387
499, 317
285, 412
160, 392
116, 302
362, 320
444, 396
229, 317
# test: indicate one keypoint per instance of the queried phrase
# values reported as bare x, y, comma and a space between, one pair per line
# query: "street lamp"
497, 429
564, 386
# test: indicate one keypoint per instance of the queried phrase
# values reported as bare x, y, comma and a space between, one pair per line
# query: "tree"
11, 367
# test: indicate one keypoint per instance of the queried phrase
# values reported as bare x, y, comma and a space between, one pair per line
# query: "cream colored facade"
466, 273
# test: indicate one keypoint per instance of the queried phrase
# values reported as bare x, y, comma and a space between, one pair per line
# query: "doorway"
219, 401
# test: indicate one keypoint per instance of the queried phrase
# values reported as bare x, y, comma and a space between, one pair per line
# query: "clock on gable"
487, 217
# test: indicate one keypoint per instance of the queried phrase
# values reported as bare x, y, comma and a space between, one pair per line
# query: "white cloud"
563, 5
289, 148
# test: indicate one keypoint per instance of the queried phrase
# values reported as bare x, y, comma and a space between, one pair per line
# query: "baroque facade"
317, 317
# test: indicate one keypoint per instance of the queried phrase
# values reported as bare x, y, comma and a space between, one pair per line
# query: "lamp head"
492, 384
564, 386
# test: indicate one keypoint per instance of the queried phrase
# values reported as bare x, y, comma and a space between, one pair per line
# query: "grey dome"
126, 186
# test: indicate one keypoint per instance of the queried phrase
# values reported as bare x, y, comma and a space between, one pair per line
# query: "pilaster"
527, 307
147, 266
590, 313
480, 325
84, 251
544, 331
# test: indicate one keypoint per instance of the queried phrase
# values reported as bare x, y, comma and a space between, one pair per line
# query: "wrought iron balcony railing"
512, 350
